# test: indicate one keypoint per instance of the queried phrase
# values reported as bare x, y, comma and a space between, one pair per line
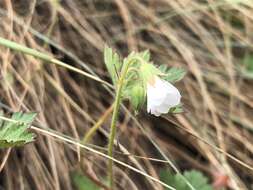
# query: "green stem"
114, 120
49, 59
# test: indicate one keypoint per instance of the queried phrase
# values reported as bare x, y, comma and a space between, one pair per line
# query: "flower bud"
137, 96
148, 71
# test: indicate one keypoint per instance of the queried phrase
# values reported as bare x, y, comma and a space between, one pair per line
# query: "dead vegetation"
208, 38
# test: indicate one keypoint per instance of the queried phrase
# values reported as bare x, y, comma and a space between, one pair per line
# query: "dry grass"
208, 38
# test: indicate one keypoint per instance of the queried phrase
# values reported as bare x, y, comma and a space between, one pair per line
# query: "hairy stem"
117, 103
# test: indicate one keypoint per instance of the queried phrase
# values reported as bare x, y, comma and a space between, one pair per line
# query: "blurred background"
211, 39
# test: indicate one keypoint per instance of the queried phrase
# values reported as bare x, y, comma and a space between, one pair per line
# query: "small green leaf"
246, 70
113, 63
82, 182
195, 178
248, 62
167, 177
172, 74
15, 133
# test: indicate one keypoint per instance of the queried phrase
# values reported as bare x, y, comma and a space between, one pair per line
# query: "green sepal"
148, 71
137, 96
145, 55
177, 109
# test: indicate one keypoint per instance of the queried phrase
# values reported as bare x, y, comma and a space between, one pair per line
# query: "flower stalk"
113, 127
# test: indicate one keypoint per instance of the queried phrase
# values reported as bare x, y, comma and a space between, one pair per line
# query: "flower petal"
161, 96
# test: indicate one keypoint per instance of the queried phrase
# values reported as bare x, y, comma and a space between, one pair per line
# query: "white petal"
161, 96
156, 113
152, 91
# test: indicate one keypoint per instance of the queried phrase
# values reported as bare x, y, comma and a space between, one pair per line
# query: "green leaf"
248, 63
246, 67
195, 178
15, 133
172, 74
82, 182
167, 177
113, 63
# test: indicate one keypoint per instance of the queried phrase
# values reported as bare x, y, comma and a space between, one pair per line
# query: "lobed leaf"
15, 133
173, 74
113, 63
195, 178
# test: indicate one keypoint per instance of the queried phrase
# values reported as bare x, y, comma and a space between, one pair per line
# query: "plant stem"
47, 58
112, 136
113, 128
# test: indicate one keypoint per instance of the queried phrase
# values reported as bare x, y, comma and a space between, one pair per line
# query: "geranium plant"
138, 80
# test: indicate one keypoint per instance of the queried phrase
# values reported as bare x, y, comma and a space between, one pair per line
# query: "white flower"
161, 96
